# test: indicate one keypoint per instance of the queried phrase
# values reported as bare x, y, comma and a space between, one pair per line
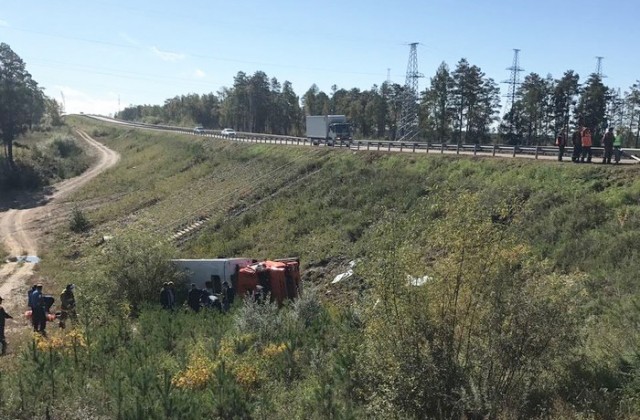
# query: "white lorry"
216, 271
328, 129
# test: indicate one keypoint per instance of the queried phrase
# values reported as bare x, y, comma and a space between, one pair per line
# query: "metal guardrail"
384, 145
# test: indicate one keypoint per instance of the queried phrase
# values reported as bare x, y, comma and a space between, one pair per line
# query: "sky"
105, 55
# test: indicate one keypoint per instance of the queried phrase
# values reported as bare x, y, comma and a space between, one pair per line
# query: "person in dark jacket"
31, 304
193, 298
164, 295
29, 293
3, 315
39, 312
607, 143
67, 305
576, 141
561, 142
587, 143
226, 304
172, 295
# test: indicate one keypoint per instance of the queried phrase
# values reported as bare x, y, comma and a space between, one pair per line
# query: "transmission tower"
408, 127
513, 82
599, 67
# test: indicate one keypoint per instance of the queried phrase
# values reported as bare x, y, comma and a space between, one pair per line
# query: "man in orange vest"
587, 142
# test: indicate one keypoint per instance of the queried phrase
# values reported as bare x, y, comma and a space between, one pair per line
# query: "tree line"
459, 106
23, 104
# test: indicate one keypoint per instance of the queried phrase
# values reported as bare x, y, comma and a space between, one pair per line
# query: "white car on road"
228, 132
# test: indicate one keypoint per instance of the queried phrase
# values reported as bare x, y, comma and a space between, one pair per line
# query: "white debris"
346, 274
418, 281
342, 276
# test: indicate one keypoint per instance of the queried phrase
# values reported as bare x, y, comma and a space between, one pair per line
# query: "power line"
196, 55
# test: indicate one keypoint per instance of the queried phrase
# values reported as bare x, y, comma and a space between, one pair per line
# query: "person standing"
31, 304
561, 142
193, 298
38, 313
617, 147
225, 297
3, 315
607, 143
587, 142
67, 305
576, 140
171, 295
164, 295
29, 293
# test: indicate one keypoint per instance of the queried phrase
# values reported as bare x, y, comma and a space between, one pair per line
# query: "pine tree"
592, 107
21, 100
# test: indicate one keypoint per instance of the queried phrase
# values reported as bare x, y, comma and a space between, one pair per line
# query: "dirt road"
22, 240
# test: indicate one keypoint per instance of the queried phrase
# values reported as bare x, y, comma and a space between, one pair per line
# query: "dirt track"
20, 234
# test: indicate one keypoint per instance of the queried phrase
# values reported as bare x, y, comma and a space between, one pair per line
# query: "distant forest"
459, 106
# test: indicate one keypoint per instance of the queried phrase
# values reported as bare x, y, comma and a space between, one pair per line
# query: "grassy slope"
269, 201
320, 204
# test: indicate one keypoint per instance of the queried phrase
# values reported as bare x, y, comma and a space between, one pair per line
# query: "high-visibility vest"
586, 139
617, 141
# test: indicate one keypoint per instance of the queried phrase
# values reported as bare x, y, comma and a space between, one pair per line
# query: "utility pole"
513, 82
408, 127
388, 75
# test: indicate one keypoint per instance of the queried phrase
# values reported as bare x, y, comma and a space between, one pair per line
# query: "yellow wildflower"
198, 373
272, 350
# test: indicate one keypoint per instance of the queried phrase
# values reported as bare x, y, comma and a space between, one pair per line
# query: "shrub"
65, 147
138, 266
485, 333
79, 222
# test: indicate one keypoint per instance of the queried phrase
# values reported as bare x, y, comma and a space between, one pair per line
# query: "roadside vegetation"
460, 105
43, 158
482, 287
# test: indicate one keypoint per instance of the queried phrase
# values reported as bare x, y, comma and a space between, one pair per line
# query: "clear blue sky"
143, 52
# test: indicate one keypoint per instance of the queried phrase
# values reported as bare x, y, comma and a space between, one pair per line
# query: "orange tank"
279, 278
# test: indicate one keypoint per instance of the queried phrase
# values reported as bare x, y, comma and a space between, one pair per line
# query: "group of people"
582, 142
198, 299
40, 305
208, 298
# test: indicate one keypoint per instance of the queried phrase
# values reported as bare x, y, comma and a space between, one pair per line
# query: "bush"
138, 266
65, 147
489, 330
79, 223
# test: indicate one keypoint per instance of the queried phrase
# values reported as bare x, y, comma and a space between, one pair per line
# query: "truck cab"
339, 132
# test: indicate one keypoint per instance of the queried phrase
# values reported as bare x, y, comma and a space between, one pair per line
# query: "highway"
549, 153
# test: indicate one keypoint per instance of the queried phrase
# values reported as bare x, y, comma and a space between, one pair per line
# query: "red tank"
280, 279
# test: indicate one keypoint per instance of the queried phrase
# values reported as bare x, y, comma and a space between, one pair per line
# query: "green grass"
535, 239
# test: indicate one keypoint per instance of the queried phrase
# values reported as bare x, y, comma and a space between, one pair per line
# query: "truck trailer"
328, 129
216, 271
